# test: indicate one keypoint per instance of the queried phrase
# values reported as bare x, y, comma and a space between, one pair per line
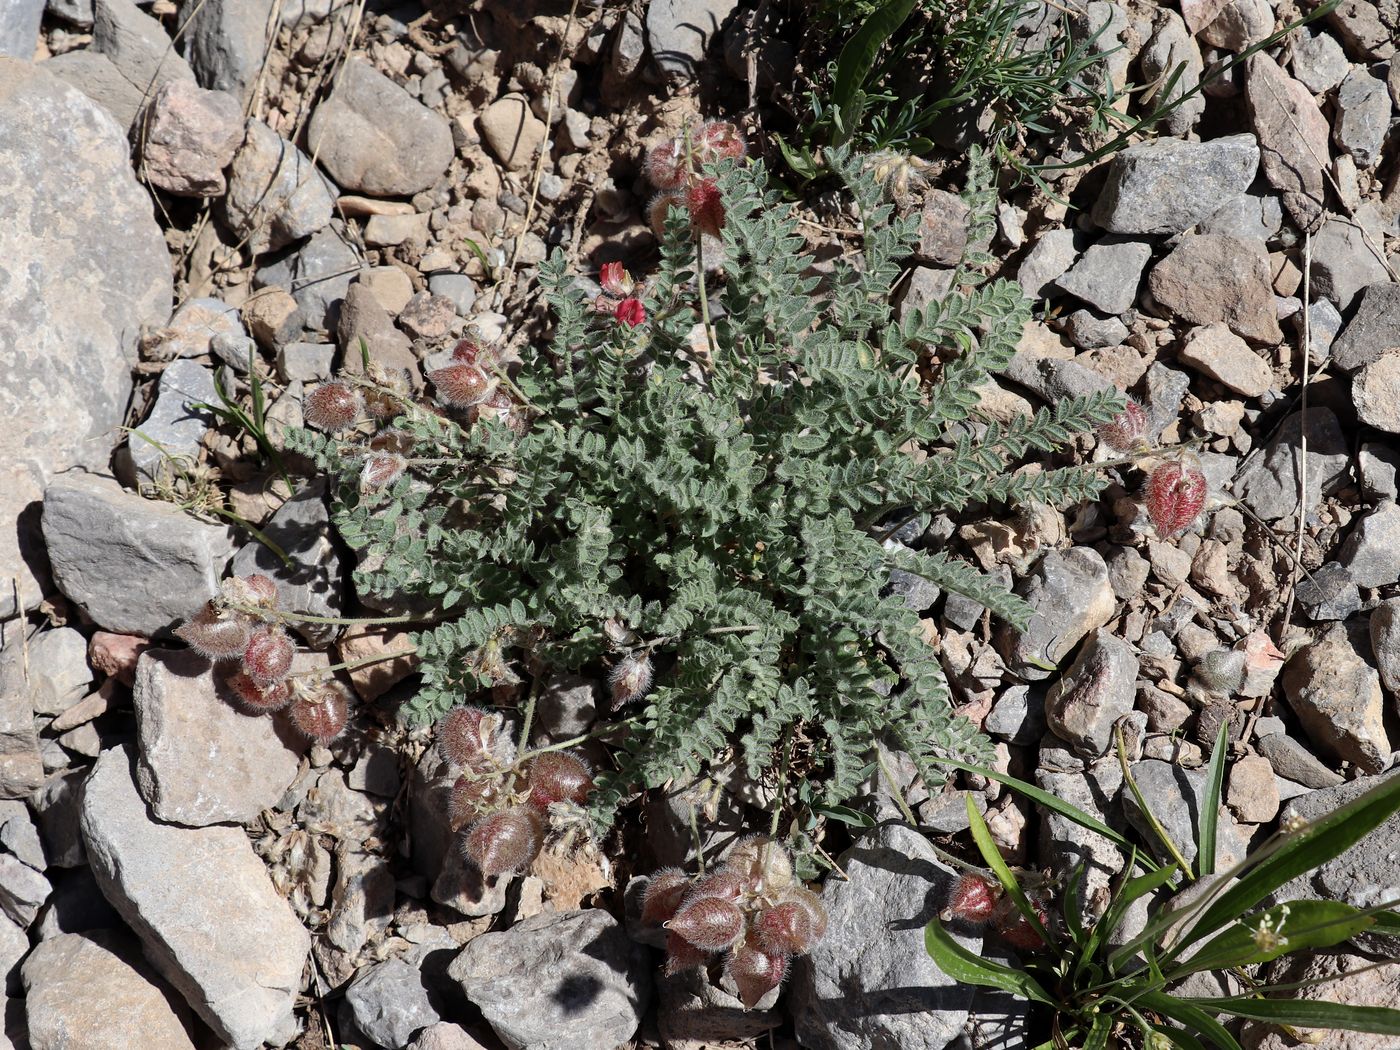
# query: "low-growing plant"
1106, 988
695, 498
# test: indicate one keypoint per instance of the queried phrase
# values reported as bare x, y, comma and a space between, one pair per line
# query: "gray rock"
1323, 325
1344, 264
1294, 762
1108, 274
1176, 796
135, 566
168, 441
1209, 278
1380, 466
19, 28
78, 278
202, 760
630, 45
942, 229
1018, 716
1097, 690
373, 137
568, 707
306, 362
1169, 185
225, 41
1088, 331
1052, 379
1071, 596
1336, 694
1065, 844
1052, 254
1372, 330
925, 285
692, 1013
870, 983
1319, 62
137, 44
445, 1036
1270, 484
558, 981
14, 946
512, 132
96, 76
57, 803
196, 327
1371, 554
681, 31
390, 1003
318, 276
1292, 135
57, 672
1247, 215
457, 287
1166, 387
1239, 24
315, 581
20, 835
275, 194
1363, 116
1385, 644
1171, 47
189, 137
94, 990
203, 905
23, 890
1330, 593
362, 901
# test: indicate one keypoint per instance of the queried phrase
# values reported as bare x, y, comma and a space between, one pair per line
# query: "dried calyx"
752, 908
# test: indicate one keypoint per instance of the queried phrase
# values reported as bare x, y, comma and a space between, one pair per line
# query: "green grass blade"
1304, 924
962, 965
857, 59
1210, 810
1185, 1011
1307, 1013
983, 838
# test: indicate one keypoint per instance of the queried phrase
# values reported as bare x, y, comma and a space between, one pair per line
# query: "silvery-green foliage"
726, 511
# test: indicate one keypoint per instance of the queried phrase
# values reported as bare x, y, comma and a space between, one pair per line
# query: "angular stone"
1323, 324
1334, 978
373, 137
1052, 254
56, 672
558, 981
1319, 61
23, 890
1098, 689
1247, 215
225, 42
1292, 761
1176, 795
869, 983
1108, 274
680, 32
1169, 185
1252, 793
203, 905
693, 1013
1270, 485
1375, 391
1065, 844
275, 194
390, 1002
1363, 116
189, 137
1336, 694
137, 44
272, 316
135, 566
1372, 330
1227, 358
1371, 554
1292, 135
94, 990
1345, 261
1071, 596
1209, 278
19, 28
942, 229
318, 275
1240, 24
79, 277
97, 77
167, 442
202, 759
1171, 48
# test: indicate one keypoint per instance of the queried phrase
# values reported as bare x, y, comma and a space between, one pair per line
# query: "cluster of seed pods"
675, 167
500, 804
239, 631
980, 900
751, 912
1176, 488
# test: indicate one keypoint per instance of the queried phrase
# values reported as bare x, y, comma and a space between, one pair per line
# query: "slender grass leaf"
1307, 1013
962, 965
1298, 924
1210, 808
1186, 1012
983, 838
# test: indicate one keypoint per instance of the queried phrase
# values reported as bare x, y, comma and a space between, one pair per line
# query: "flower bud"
213, 636
268, 655
708, 922
631, 678
974, 899
557, 776
630, 312
462, 385
663, 896
505, 842
1127, 431
333, 407
1176, 494
257, 699
784, 929
321, 715
756, 972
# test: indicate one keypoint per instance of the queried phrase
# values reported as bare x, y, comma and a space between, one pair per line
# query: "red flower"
615, 279
1176, 494
630, 312
706, 208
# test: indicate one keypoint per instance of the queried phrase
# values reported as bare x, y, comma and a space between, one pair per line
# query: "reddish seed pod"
812, 904
682, 955
721, 882
215, 637
472, 798
659, 207
974, 899
466, 352
756, 972
763, 866
1017, 931
381, 470
719, 140
1176, 495
663, 896
333, 406
706, 207
784, 929
264, 591
505, 842
1127, 431
322, 715
631, 678
557, 776
667, 164
630, 312
708, 922
257, 699
462, 385
268, 655
471, 737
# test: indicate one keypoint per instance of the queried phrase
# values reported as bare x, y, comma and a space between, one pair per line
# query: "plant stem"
297, 617
782, 784
351, 665
529, 715
895, 788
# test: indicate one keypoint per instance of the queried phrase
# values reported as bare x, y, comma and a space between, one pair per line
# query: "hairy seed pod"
720, 882
719, 140
708, 922
257, 699
668, 164
1127, 431
215, 637
557, 776
505, 842
263, 589
631, 678
333, 406
812, 904
974, 899
466, 352
471, 737
322, 714
756, 971
682, 955
1176, 495
268, 655
472, 798
461, 385
706, 207
763, 865
1015, 929
784, 929
381, 470
663, 896
659, 207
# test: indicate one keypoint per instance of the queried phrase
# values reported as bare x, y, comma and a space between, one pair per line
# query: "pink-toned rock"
1293, 136
115, 655
1200, 13
376, 679
188, 137
1210, 277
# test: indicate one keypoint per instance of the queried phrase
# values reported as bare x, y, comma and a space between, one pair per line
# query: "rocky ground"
245, 189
